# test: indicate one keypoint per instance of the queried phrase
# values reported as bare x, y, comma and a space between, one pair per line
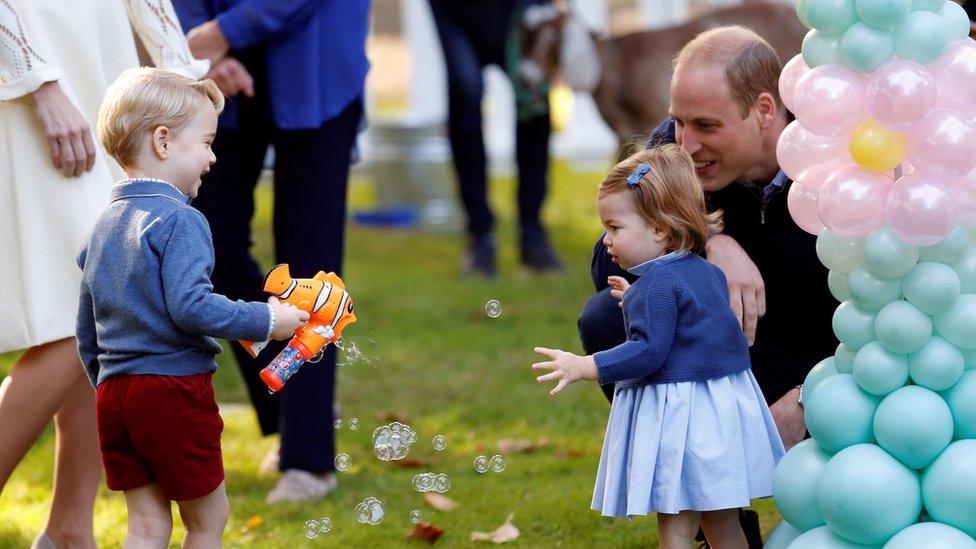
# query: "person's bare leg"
77, 470
723, 530
677, 531
205, 519
150, 522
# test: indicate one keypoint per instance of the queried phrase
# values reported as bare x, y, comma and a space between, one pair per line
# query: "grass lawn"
448, 368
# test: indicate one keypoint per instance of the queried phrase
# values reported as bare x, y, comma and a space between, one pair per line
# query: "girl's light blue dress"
693, 445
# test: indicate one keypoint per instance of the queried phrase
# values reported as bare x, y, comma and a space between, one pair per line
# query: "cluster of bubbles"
392, 442
315, 528
415, 516
430, 482
352, 354
482, 464
370, 511
440, 442
342, 462
493, 308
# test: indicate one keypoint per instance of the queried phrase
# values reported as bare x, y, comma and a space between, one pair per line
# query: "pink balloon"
797, 150
921, 210
943, 144
829, 100
792, 71
955, 73
899, 93
851, 202
804, 192
965, 190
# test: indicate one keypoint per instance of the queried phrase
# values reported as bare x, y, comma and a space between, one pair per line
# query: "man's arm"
747, 291
788, 416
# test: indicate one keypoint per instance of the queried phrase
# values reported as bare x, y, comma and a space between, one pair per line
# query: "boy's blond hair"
669, 196
143, 99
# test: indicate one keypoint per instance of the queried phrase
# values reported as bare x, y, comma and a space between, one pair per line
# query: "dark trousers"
310, 178
473, 35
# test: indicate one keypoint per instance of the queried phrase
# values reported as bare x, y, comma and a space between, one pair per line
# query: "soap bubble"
393, 441
415, 516
370, 511
423, 482
325, 525
493, 308
441, 483
311, 528
497, 463
440, 441
342, 462
353, 424
481, 464
337, 424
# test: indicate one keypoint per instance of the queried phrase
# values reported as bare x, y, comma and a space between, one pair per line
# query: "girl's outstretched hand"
566, 368
618, 285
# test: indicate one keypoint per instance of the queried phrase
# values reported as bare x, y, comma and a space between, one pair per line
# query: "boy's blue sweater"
680, 326
147, 305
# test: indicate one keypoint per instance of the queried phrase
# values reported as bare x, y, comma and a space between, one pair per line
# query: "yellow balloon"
560, 106
875, 147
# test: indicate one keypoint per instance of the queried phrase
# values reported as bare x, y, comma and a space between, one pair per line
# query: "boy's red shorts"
160, 429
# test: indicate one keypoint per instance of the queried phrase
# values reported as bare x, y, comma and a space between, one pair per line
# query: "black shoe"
480, 256
537, 253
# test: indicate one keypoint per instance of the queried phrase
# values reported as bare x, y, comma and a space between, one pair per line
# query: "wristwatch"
799, 396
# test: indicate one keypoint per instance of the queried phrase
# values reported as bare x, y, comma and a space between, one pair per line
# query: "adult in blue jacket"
294, 70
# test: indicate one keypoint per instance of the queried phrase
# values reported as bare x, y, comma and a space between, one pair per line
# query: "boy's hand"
287, 319
618, 285
566, 367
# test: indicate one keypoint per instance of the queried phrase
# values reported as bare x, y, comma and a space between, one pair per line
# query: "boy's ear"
160, 142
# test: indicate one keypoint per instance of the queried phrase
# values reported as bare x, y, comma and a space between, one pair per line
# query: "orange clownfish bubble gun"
329, 307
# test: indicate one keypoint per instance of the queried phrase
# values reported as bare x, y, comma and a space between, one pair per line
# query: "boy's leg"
205, 519
677, 531
150, 518
723, 530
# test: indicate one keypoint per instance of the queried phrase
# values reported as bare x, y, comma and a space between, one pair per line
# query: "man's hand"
207, 41
747, 291
68, 133
231, 77
566, 367
788, 416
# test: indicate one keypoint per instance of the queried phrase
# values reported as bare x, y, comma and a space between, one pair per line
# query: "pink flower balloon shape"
943, 144
851, 202
955, 73
921, 210
965, 191
899, 93
829, 100
798, 150
792, 71
804, 195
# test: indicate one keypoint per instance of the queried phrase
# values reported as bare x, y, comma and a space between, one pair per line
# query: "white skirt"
696, 445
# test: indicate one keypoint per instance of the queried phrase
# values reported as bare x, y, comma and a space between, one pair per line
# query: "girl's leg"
723, 530
205, 519
677, 531
150, 518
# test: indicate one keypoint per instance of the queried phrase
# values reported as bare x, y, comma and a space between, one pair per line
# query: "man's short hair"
751, 65
143, 99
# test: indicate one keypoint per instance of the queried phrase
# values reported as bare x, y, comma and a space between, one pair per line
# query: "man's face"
709, 125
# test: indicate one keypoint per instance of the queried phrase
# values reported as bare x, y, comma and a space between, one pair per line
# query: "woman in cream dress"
56, 59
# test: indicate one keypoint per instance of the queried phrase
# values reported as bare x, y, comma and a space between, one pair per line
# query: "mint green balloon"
867, 496
949, 250
888, 255
970, 356
921, 37
844, 359
820, 49
928, 5
831, 17
883, 14
956, 21
823, 538
838, 253
961, 399
879, 371
864, 48
837, 283
871, 292
781, 536
839, 414
795, 483
824, 369
853, 326
932, 287
938, 365
902, 328
930, 535
802, 12
914, 425
958, 324
949, 487
965, 268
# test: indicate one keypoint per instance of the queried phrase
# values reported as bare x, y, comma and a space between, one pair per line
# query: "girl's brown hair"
669, 196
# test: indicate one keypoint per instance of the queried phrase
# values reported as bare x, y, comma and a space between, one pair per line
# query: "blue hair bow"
634, 179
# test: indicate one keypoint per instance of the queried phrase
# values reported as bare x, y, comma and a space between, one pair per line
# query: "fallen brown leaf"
411, 462
570, 454
504, 533
425, 531
389, 417
252, 523
521, 445
439, 501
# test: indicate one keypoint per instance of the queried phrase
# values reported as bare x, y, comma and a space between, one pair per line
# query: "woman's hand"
566, 367
231, 77
68, 133
207, 41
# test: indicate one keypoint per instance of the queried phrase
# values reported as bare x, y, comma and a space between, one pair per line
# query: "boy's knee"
211, 516
151, 527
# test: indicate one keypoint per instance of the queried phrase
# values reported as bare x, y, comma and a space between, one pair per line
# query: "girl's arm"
566, 367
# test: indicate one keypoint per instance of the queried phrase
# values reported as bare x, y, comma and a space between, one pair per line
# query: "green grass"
442, 363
